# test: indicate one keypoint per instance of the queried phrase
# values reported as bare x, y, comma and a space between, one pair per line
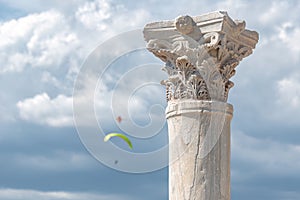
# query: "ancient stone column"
200, 55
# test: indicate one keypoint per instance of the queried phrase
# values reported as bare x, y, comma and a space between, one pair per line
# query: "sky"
45, 47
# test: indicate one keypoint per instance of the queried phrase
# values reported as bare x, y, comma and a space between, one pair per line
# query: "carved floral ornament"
200, 63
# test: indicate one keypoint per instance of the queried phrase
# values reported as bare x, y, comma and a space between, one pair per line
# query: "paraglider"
122, 136
119, 119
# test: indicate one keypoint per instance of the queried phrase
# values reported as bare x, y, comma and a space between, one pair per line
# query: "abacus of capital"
200, 55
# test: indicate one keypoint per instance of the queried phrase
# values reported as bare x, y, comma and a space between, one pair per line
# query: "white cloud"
286, 106
289, 92
58, 161
40, 5
232, 5
274, 12
36, 40
289, 34
102, 15
278, 29
264, 155
43, 110
18, 194
49, 79
58, 42
92, 14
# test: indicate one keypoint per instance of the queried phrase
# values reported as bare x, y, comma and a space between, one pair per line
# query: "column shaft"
199, 150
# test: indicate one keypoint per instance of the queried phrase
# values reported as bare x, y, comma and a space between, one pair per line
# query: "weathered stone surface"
199, 136
200, 55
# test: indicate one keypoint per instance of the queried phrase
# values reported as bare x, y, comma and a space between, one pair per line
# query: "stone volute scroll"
200, 54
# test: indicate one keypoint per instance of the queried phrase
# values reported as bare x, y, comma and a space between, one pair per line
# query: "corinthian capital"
200, 53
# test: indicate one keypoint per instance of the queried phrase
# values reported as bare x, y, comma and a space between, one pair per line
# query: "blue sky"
43, 45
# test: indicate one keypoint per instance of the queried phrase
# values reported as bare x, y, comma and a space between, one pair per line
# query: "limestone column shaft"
199, 135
